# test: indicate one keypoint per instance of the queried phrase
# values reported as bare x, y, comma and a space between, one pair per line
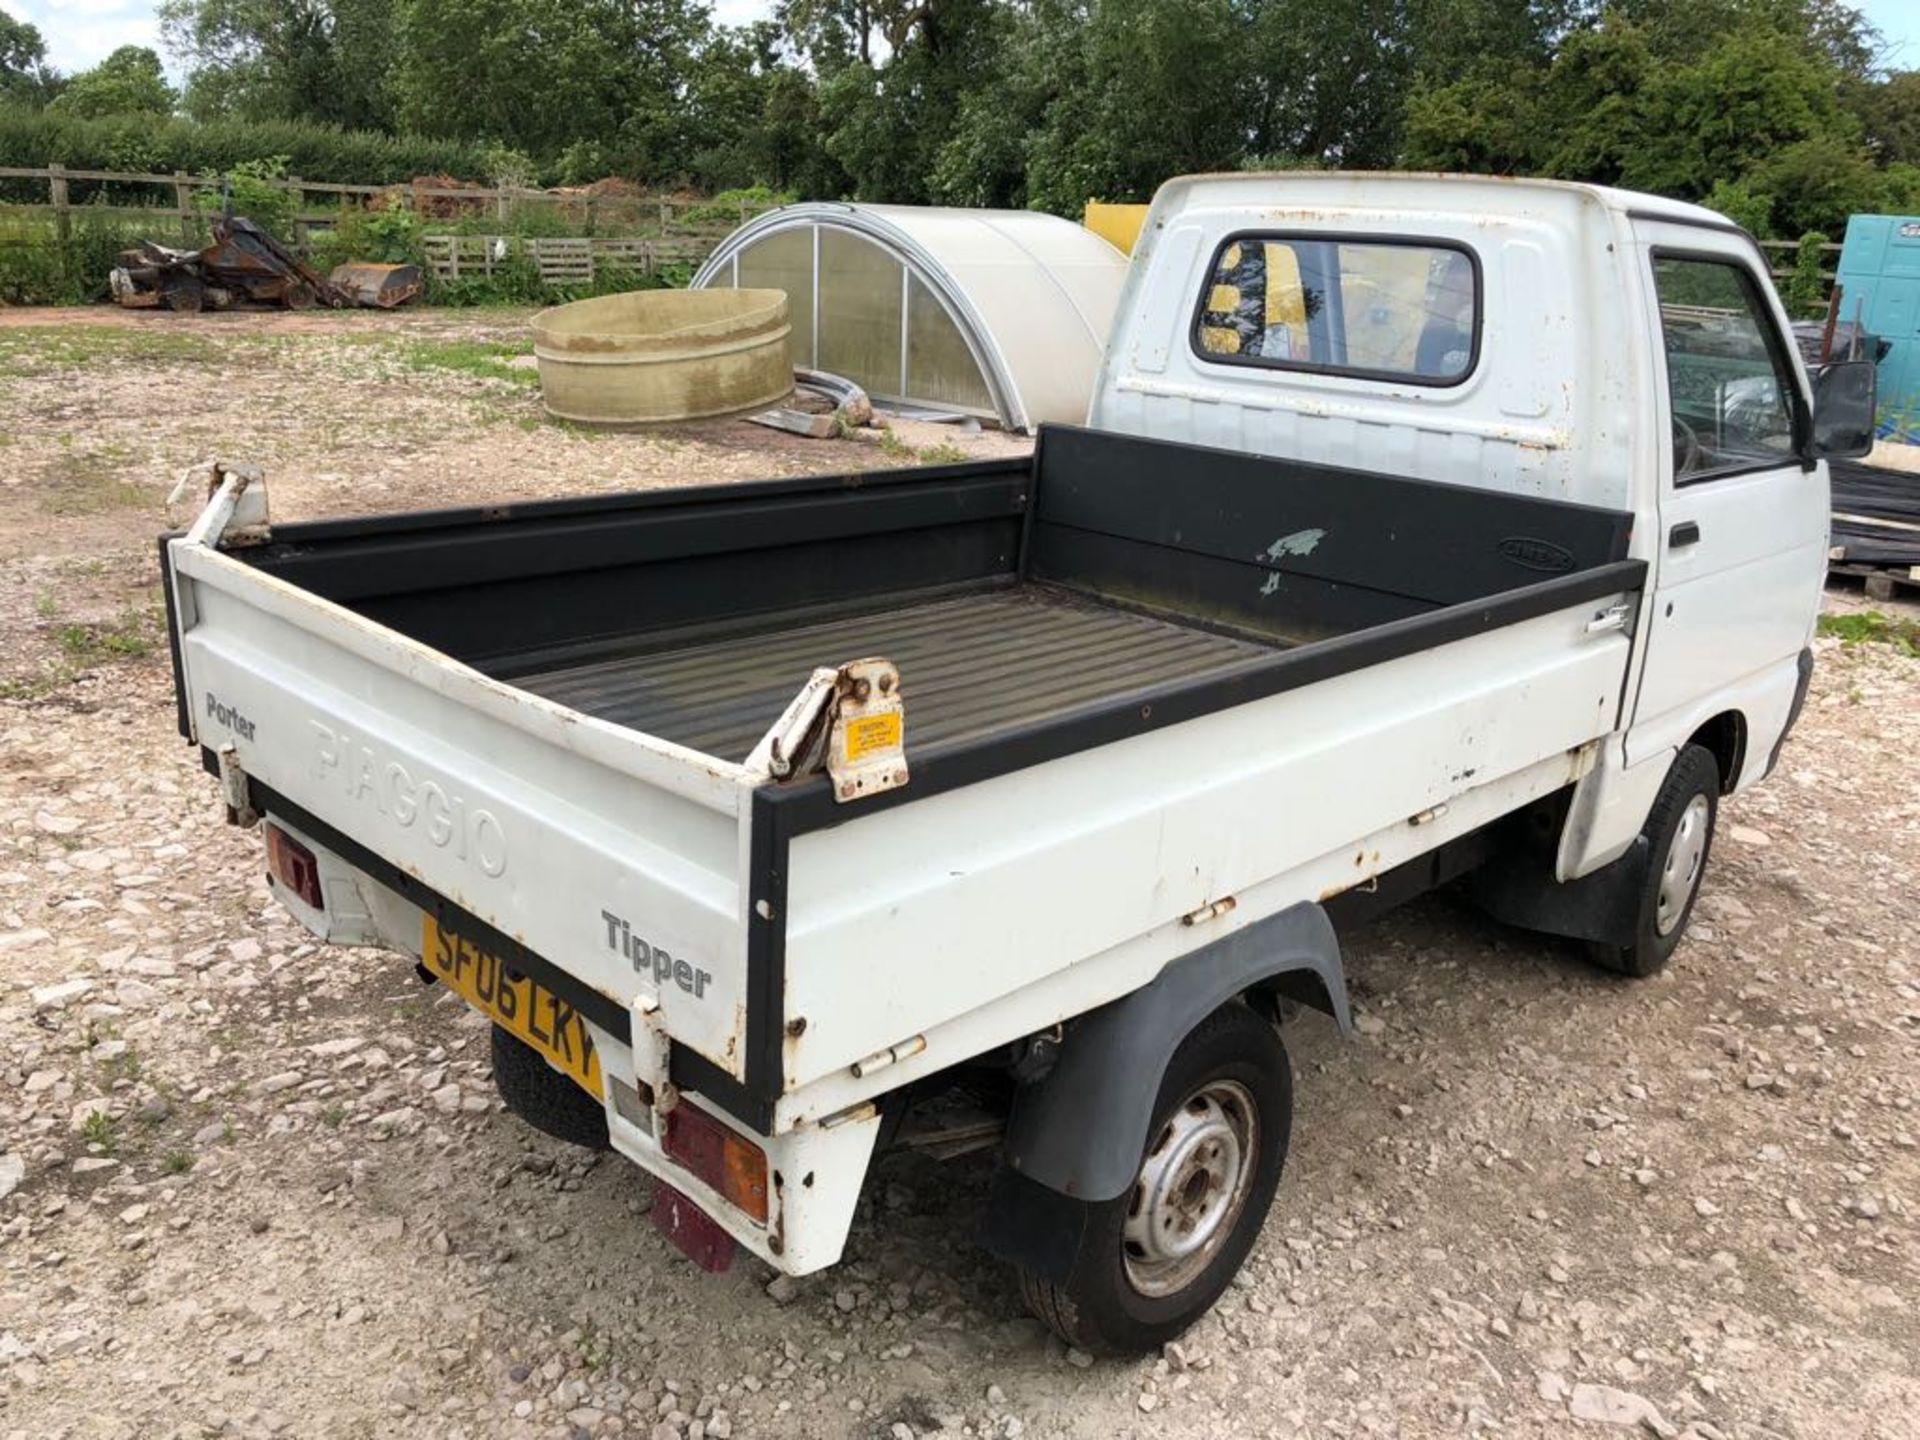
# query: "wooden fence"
1781, 255
573, 261
177, 200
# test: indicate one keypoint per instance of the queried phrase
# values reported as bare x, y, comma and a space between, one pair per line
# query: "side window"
1391, 310
1727, 377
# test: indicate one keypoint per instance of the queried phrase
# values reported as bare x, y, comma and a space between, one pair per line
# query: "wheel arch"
1725, 738
1079, 1130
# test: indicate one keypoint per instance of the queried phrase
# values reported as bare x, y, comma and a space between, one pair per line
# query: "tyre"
1679, 835
1153, 1260
299, 296
184, 295
543, 1097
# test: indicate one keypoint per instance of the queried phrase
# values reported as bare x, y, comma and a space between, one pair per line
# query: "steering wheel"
1687, 452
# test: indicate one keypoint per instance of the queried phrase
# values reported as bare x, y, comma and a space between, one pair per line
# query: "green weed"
1870, 627
178, 1162
129, 638
945, 453
478, 359
97, 1129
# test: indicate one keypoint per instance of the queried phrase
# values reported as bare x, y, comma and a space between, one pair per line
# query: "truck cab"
1533, 337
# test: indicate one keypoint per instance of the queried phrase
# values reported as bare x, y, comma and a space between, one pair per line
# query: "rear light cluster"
731, 1164
294, 866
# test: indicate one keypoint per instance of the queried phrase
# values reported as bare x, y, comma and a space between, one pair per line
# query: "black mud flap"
1032, 1226
1517, 887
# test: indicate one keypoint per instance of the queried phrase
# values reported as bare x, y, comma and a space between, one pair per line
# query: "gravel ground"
250, 1186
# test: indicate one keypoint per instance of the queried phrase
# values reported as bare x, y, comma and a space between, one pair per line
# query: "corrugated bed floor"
969, 665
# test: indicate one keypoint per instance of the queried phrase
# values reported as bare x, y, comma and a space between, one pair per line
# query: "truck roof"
1396, 189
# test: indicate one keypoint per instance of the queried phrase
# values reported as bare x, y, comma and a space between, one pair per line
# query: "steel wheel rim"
1680, 873
1192, 1188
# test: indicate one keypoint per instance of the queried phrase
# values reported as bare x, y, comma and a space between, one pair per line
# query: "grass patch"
34, 350
35, 687
945, 453
894, 448
133, 636
84, 484
1870, 627
129, 638
178, 1162
477, 359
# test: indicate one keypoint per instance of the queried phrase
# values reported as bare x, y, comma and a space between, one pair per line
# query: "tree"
127, 82
1330, 82
542, 75
325, 60
1692, 98
893, 92
25, 78
1889, 111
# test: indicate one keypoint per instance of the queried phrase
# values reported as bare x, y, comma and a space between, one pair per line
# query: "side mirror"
1843, 409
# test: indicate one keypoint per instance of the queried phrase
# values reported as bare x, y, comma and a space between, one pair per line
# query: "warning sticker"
872, 733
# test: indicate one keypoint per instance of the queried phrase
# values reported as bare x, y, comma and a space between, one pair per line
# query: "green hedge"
32, 139
39, 268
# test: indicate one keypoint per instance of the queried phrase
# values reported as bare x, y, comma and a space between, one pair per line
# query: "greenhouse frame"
998, 314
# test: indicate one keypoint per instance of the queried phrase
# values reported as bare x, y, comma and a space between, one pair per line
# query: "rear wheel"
299, 296
543, 1097
1679, 834
1153, 1260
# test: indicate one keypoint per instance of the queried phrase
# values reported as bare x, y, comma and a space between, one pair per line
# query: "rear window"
1390, 310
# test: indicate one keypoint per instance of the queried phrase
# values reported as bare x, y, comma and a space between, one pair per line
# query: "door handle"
1614, 617
1687, 532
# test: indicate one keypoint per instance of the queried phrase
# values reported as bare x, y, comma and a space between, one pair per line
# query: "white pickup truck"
1423, 528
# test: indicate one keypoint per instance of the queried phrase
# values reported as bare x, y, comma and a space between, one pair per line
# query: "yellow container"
649, 357
1118, 225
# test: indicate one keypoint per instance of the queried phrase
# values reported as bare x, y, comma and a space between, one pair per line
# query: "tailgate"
600, 849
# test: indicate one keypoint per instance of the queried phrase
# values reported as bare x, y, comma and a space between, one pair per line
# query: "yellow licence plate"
516, 1004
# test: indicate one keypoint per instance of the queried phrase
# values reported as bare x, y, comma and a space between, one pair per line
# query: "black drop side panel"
494, 586
1289, 549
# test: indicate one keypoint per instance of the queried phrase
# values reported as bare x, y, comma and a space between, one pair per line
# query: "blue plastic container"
1880, 274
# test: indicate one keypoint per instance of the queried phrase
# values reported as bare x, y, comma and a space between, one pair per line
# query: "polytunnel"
1000, 314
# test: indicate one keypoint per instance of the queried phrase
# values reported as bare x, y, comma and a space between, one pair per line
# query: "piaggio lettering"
443, 815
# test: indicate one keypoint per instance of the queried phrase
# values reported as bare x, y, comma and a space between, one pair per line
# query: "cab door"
1740, 557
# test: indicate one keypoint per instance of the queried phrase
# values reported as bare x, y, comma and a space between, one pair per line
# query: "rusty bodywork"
245, 263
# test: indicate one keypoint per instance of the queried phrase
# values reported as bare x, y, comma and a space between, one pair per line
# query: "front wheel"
1679, 835
1153, 1260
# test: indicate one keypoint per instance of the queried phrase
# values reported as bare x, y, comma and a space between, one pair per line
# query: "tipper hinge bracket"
849, 720
233, 504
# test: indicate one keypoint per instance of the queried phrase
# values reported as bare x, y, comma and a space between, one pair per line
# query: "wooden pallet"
565, 261
1881, 582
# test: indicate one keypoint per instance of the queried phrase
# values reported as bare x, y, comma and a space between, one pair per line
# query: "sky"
80, 33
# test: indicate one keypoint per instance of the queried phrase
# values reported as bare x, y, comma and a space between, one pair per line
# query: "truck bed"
530, 722
973, 664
